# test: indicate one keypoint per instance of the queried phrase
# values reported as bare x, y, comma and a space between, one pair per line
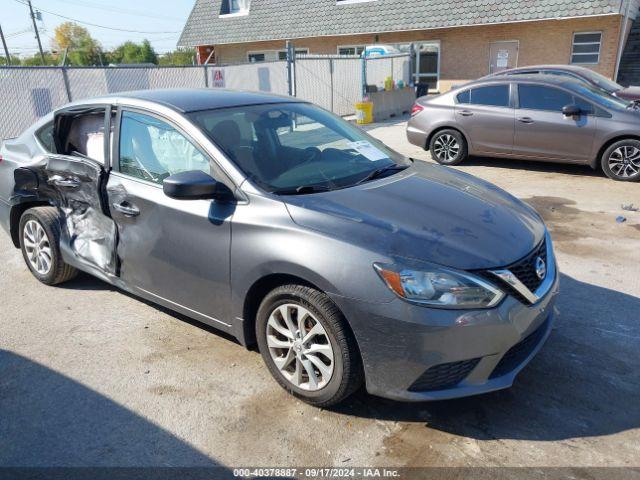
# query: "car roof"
534, 78
568, 68
187, 100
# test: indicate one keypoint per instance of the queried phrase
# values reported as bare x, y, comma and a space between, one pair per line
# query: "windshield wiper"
379, 172
302, 190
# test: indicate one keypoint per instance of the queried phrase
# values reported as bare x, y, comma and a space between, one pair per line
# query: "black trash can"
422, 89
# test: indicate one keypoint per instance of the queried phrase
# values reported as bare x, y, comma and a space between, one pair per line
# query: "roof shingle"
288, 19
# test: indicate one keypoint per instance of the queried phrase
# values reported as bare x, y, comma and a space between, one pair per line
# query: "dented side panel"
88, 234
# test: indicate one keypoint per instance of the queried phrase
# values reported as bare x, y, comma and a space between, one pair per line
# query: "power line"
124, 11
21, 32
95, 24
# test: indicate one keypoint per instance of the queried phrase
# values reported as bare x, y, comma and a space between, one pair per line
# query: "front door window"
152, 150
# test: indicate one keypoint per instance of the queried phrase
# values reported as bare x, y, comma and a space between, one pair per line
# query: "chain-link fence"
335, 83
396, 67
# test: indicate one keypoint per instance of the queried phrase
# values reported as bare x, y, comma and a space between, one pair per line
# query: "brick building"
456, 40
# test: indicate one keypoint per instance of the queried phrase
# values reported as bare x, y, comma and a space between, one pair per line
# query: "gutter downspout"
623, 28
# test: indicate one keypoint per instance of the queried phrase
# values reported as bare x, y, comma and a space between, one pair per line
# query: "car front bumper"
414, 353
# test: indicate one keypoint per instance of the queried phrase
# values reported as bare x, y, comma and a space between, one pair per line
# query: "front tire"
621, 161
448, 147
40, 245
308, 348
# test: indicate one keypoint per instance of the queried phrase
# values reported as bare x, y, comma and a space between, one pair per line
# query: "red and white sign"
218, 78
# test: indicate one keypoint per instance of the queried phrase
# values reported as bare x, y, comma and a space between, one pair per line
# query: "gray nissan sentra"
287, 227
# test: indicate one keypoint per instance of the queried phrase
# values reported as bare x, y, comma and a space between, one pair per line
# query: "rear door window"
82, 134
493, 96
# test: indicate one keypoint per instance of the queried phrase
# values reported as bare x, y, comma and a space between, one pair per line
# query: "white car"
380, 50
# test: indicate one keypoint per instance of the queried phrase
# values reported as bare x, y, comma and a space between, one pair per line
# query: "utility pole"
4, 44
35, 27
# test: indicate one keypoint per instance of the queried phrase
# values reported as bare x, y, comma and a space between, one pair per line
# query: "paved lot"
92, 376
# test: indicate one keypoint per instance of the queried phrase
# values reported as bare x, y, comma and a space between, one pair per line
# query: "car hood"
629, 93
429, 213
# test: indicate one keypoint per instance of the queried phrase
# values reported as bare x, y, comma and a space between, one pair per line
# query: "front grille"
524, 269
519, 352
445, 375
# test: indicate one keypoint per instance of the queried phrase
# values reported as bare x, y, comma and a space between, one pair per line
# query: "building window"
256, 57
282, 54
351, 50
586, 48
234, 7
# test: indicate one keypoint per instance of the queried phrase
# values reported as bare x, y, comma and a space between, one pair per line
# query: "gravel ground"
91, 376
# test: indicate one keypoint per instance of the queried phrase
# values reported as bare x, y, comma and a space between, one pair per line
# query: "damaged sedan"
290, 229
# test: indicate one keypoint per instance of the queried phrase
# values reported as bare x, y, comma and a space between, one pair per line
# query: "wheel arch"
256, 293
595, 162
446, 127
16, 213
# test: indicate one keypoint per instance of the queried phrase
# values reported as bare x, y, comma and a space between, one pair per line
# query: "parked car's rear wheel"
307, 346
621, 161
40, 244
448, 147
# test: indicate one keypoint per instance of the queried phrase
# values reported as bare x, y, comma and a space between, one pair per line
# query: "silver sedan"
537, 117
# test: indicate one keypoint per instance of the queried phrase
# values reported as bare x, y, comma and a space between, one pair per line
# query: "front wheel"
448, 147
621, 161
307, 346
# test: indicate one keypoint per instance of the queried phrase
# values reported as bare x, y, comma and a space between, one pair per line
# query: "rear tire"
282, 340
40, 245
621, 161
448, 147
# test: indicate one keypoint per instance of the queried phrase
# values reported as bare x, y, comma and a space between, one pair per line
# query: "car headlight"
439, 287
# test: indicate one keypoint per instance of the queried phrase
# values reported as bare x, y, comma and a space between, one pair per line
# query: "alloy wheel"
37, 247
446, 148
624, 161
300, 347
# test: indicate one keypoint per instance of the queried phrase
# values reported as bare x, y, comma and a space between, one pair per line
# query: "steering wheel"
311, 154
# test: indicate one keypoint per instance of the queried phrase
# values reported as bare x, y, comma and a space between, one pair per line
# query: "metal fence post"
412, 64
67, 87
291, 75
364, 77
331, 83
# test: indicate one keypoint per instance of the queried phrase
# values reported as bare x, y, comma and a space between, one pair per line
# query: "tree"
35, 60
181, 56
83, 49
14, 60
130, 52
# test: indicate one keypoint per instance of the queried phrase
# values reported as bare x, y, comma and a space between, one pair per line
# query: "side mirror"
195, 185
571, 110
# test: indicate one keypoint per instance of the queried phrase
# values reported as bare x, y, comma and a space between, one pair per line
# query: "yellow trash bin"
364, 112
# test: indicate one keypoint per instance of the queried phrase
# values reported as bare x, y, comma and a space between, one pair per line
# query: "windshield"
601, 98
293, 148
602, 81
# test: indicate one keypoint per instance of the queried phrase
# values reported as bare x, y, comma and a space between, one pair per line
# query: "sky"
159, 21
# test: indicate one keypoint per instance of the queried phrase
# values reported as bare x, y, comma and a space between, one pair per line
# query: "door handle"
65, 182
525, 120
466, 113
126, 209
